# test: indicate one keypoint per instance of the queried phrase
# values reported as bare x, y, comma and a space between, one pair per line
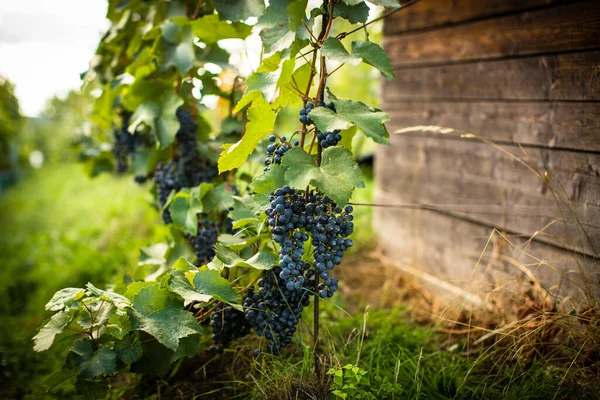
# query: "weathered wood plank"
432, 13
566, 27
563, 125
480, 182
573, 76
459, 252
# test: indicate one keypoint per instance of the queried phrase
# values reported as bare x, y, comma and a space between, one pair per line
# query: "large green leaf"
386, 3
270, 181
274, 24
129, 349
225, 257
185, 206
261, 120
374, 55
337, 176
180, 54
159, 312
335, 50
120, 301
64, 298
92, 362
353, 13
239, 10
159, 117
368, 119
45, 337
210, 29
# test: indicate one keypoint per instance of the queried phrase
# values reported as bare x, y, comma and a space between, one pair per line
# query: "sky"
46, 44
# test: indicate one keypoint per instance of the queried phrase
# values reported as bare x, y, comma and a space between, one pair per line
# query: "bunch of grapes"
274, 310
206, 237
294, 217
165, 176
124, 144
227, 324
275, 151
193, 168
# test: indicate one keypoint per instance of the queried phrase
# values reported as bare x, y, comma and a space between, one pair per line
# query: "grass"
59, 228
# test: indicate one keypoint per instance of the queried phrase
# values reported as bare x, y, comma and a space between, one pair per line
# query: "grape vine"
248, 251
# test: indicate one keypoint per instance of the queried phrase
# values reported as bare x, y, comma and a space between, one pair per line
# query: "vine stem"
325, 29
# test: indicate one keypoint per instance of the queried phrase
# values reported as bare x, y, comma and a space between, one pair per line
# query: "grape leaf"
64, 298
121, 302
368, 119
92, 389
269, 181
239, 10
269, 64
210, 29
274, 24
386, 3
129, 349
261, 120
353, 13
159, 312
45, 337
160, 118
374, 55
219, 198
337, 176
188, 347
225, 257
334, 49
296, 13
180, 54
185, 206
92, 363
208, 284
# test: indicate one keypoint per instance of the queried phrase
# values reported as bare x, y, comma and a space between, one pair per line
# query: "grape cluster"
274, 310
206, 237
124, 145
193, 168
227, 324
294, 217
188, 169
275, 151
165, 176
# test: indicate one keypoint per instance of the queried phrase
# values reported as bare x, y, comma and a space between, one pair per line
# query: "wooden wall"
526, 75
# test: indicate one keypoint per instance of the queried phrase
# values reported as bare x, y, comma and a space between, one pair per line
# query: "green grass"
58, 228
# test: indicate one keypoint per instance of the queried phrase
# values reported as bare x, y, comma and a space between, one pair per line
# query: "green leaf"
386, 3
229, 258
159, 312
368, 119
239, 10
261, 120
188, 347
119, 325
274, 24
156, 358
269, 181
92, 389
334, 49
337, 176
265, 82
373, 55
45, 337
182, 286
180, 54
129, 350
64, 298
296, 13
92, 363
210, 29
168, 124
269, 64
219, 198
121, 302
185, 206
102, 312
211, 282
353, 13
